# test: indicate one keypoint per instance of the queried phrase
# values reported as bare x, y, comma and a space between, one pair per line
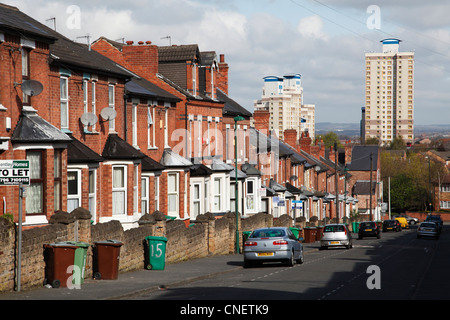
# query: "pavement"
133, 283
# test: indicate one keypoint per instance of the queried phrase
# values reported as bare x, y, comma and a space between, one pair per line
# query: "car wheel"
291, 260
247, 264
301, 259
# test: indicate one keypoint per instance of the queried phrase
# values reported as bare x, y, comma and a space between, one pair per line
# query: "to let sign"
14, 172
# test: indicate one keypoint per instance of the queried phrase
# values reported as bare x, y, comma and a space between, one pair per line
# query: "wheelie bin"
59, 258
156, 253
106, 259
79, 260
319, 233
310, 234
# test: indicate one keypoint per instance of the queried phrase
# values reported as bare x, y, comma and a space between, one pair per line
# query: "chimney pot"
130, 43
148, 42
222, 58
141, 42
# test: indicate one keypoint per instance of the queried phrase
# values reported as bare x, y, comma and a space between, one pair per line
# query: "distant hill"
341, 129
352, 129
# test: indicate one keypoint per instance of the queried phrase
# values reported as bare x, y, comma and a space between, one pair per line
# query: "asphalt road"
396, 267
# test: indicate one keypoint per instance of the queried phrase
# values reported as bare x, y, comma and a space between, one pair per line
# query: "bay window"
119, 190
34, 201
173, 195
73, 189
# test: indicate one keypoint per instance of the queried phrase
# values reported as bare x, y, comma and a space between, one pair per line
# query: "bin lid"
78, 243
61, 244
109, 242
156, 238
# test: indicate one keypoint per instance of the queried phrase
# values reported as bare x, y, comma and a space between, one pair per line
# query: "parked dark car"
391, 225
369, 229
437, 219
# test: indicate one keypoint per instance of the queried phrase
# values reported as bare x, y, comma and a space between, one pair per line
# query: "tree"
373, 140
329, 139
397, 144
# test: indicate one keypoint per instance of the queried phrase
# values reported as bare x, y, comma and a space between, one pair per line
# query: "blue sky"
324, 40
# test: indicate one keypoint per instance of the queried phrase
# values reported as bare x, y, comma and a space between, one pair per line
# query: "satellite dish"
108, 113
32, 87
88, 119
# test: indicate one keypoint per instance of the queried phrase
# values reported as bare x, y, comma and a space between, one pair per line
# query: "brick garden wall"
206, 236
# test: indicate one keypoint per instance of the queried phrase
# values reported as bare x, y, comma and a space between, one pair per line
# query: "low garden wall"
206, 236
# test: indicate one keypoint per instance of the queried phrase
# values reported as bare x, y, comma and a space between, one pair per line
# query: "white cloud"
312, 27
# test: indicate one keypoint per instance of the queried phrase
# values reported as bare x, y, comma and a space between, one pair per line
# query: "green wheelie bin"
156, 253
79, 260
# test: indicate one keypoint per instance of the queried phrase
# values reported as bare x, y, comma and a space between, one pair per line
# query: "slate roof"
250, 170
232, 108
31, 128
208, 58
145, 88
64, 51
200, 170
148, 164
174, 160
118, 149
361, 158
189, 52
78, 152
13, 21
363, 187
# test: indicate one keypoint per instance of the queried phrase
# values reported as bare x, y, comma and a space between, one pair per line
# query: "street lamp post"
236, 119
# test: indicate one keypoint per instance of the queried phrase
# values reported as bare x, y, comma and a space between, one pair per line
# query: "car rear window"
368, 225
268, 233
334, 229
428, 225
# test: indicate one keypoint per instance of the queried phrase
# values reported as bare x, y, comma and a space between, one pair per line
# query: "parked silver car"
272, 244
335, 235
428, 229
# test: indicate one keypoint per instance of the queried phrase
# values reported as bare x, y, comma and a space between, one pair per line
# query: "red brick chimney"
222, 75
290, 137
262, 119
305, 142
142, 58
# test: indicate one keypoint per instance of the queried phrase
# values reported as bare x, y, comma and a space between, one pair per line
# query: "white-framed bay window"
173, 194
119, 190
73, 189
145, 194
93, 194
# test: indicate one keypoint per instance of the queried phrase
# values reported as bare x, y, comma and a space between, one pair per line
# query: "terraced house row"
125, 129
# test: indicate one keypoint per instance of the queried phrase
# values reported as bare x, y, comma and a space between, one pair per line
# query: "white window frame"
173, 194
194, 79
78, 195
93, 195
118, 190
217, 194
64, 101
157, 192
94, 101
112, 104
135, 189
145, 194
197, 200
151, 141
134, 129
